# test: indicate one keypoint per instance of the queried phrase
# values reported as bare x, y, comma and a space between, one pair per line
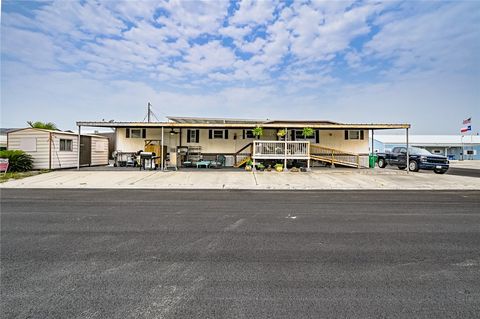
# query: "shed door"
85, 150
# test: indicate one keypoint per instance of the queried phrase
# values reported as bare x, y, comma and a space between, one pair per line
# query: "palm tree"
46, 126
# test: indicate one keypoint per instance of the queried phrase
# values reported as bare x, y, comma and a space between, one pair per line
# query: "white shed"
56, 149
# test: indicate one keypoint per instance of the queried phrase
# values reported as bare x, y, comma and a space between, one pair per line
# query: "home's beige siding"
336, 139
328, 138
99, 151
41, 154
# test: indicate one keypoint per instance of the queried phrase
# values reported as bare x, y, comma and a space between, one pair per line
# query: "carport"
185, 125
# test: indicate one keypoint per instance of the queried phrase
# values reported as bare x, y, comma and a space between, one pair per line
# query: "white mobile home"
52, 149
187, 140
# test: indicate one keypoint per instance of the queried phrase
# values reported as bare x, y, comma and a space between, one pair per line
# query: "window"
354, 135
299, 136
28, 144
218, 134
248, 134
66, 145
193, 136
136, 133
437, 152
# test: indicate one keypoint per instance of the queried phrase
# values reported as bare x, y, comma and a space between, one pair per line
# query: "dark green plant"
42, 125
18, 161
307, 132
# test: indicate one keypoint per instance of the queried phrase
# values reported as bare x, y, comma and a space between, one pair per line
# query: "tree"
46, 126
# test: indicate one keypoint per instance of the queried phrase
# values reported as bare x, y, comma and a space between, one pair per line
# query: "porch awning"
275, 125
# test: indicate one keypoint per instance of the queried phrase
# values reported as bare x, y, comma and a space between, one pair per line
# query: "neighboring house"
190, 139
56, 149
3, 137
456, 147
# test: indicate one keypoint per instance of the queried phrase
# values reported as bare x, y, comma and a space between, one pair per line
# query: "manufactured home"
190, 140
52, 149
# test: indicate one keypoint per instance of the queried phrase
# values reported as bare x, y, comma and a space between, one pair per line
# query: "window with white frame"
192, 136
218, 134
354, 135
135, 133
66, 145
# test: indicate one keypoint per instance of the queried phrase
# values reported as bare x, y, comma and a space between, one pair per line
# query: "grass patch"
19, 175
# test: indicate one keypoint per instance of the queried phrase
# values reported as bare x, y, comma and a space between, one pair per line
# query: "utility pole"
148, 114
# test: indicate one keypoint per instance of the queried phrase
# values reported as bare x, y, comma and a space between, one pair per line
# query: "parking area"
320, 178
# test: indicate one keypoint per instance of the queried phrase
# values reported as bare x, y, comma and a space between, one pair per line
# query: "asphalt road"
464, 171
239, 254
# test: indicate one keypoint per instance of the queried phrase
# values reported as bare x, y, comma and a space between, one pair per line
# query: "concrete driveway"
237, 179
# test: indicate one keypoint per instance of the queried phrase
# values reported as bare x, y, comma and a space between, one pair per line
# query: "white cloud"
254, 11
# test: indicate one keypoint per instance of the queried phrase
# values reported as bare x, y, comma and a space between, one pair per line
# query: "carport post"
161, 152
373, 148
78, 146
408, 152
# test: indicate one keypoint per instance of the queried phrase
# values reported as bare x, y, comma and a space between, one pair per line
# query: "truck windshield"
418, 151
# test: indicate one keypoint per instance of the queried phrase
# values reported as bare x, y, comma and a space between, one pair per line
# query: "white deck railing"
281, 150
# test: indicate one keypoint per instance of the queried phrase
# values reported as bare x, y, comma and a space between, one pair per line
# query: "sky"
348, 61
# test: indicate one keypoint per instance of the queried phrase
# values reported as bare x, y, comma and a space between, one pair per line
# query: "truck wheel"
402, 167
440, 171
381, 163
413, 166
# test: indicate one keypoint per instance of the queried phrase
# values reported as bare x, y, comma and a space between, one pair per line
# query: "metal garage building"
56, 149
455, 147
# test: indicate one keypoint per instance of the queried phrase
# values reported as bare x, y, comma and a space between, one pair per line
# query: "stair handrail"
238, 152
332, 152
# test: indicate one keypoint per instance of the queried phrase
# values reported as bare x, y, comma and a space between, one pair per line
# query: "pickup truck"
419, 159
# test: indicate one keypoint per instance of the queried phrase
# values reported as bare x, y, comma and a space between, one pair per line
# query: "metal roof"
206, 120
429, 140
199, 122
54, 132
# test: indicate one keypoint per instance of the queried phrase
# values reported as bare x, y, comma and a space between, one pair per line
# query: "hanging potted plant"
307, 132
257, 131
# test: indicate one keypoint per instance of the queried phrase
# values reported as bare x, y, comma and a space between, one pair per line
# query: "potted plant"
269, 168
257, 131
307, 132
294, 169
278, 167
281, 133
248, 165
260, 167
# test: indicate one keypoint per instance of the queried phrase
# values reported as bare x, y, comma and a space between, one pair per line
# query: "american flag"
467, 121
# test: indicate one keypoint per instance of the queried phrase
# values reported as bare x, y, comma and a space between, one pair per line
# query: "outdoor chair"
219, 162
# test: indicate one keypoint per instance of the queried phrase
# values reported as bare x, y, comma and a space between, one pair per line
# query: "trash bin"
372, 160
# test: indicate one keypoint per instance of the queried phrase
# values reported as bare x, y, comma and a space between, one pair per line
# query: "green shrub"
19, 161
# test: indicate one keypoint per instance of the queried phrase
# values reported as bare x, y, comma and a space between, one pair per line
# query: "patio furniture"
204, 163
219, 162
